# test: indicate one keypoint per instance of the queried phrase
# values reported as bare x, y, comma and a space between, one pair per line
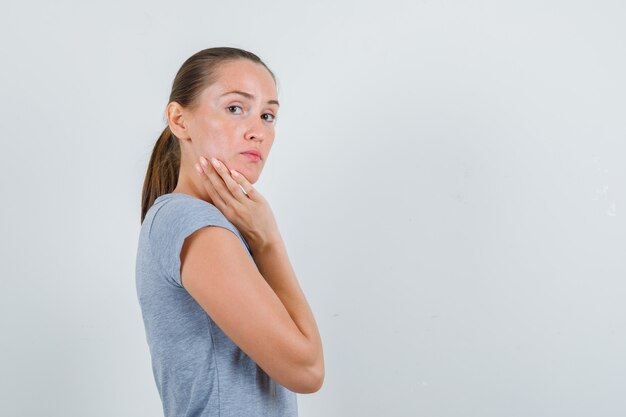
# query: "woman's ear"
176, 120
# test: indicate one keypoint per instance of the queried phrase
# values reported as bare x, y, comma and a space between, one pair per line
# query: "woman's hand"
244, 206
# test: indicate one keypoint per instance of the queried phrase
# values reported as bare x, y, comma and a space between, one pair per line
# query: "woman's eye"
271, 116
233, 107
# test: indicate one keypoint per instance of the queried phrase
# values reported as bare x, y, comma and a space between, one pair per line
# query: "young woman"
229, 329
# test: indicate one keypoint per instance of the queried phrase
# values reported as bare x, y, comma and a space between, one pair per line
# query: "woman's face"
236, 114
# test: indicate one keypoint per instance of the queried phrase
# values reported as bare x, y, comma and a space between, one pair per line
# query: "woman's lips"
252, 156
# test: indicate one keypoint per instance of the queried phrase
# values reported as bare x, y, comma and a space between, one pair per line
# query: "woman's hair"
197, 73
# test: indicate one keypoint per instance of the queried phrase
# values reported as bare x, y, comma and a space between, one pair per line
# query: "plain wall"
449, 178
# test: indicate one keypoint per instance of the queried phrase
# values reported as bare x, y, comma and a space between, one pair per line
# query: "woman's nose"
256, 130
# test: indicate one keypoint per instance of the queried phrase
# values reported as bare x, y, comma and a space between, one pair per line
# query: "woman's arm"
276, 310
273, 263
280, 336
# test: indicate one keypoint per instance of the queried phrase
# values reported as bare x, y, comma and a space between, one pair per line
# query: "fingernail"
235, 173
215, 162
198, 168
203, 161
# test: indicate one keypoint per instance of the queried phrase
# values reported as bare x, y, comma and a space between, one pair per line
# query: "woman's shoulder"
174, 217
181, 198
182, 210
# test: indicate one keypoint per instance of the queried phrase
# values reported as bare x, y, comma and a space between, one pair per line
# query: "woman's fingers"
225, 192
243, 183
231, 183
245, 207
206, 173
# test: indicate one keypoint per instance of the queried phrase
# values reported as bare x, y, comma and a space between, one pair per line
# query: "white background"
448, 176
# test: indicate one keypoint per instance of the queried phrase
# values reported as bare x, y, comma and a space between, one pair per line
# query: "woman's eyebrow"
248, 95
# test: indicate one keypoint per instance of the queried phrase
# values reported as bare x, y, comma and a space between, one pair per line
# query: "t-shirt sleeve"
174, 221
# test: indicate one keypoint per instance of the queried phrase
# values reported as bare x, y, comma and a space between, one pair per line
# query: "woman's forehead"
246, 76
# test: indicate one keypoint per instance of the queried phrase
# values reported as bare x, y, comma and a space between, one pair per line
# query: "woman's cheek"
211, 151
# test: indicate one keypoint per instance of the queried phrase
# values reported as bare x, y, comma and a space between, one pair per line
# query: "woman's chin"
250, 173
253, 178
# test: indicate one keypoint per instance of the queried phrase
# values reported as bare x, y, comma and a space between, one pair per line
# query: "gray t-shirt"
198, 370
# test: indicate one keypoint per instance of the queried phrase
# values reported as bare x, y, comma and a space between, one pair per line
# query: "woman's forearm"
273, 263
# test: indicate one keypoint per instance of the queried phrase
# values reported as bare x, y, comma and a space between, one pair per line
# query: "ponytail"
162, 175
